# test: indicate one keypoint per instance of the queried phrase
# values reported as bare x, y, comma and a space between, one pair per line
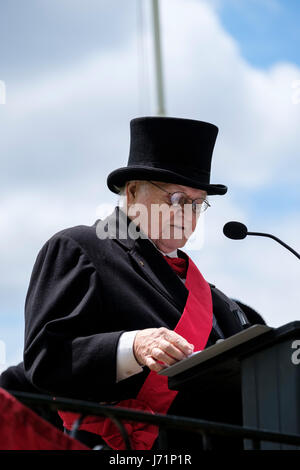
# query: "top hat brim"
118, 178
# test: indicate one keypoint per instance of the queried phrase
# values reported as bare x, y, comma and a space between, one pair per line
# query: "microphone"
238, 231
235, 230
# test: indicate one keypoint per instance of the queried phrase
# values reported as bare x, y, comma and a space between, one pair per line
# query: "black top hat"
169, 149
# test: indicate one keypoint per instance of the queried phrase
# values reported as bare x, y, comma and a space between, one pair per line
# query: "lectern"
261, 365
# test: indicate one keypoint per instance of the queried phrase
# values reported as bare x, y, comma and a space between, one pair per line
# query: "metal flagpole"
158, 60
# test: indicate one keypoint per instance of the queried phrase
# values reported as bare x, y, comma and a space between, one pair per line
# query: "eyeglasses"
179, 198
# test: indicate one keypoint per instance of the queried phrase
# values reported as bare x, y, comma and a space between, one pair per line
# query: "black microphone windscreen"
235, 230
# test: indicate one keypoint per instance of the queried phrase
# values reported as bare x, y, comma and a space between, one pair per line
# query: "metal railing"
204, 428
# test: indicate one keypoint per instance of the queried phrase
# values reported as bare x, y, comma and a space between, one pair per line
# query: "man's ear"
131, 190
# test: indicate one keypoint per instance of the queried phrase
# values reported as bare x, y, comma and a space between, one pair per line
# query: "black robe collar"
147, 258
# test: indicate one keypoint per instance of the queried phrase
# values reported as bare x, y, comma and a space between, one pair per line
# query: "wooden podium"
261, 365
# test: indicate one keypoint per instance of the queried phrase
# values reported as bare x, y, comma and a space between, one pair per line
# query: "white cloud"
27, 220
208, 79
92, 78
258, 271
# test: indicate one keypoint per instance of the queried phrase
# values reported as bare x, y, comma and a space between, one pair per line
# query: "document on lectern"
212, 351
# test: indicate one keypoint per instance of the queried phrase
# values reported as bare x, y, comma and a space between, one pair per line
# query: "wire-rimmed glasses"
179, 198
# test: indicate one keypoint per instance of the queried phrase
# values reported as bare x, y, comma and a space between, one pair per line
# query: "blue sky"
74, 80
266, 30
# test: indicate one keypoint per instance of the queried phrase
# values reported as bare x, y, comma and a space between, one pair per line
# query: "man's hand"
160, 344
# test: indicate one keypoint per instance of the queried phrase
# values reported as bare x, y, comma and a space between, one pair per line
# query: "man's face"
169, 227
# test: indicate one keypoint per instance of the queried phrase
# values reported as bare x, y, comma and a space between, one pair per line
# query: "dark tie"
179, 265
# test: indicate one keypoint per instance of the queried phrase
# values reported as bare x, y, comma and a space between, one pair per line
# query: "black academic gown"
85, 292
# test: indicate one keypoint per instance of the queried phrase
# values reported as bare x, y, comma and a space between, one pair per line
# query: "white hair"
122, 193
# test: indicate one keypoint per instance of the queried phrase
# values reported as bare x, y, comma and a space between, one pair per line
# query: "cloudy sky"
76, 73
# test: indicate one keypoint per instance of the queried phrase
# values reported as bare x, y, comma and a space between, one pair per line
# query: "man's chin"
174, 243
179, 236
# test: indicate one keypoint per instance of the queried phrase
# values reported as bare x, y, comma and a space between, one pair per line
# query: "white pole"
158, 59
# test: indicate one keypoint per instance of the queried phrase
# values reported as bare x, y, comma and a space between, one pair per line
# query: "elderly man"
112, 304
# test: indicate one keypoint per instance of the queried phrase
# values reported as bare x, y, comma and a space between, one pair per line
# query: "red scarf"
179, 265
195, 325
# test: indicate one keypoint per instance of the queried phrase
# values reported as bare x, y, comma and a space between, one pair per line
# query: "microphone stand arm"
277, 240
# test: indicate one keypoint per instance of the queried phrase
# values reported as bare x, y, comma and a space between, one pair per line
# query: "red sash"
195, 325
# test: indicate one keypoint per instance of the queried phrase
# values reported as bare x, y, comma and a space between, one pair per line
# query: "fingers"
160, 355
154, 365
178, 341
158, 348
171, 350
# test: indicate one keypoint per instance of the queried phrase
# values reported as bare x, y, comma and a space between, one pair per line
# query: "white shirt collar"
172, 254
